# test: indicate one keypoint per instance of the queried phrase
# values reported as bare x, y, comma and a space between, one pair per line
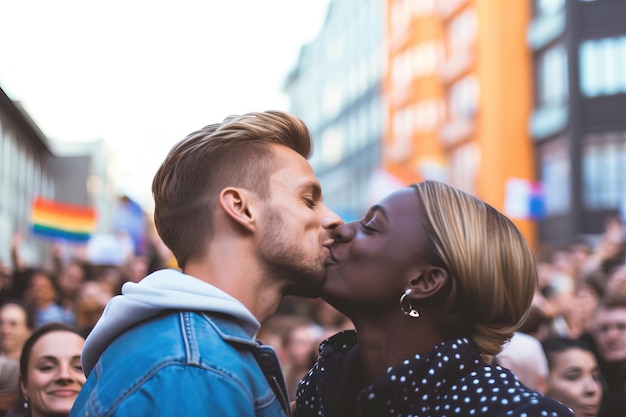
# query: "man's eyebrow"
314, 187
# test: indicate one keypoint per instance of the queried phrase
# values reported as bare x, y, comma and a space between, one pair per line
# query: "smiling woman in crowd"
575, 378
51, 374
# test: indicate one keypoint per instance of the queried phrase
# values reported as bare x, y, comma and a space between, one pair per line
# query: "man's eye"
309, 202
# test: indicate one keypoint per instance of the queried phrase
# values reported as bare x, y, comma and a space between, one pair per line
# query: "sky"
141, 75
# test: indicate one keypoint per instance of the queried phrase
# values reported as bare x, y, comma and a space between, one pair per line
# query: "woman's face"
40, 291
54, 375
575, 381
13, 328
373, 258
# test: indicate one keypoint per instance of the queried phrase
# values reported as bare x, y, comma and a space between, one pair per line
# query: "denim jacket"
180, 363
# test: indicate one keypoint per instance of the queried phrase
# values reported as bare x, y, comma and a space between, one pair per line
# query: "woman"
575, 378
16, 325
51, 375
432, 278
41, 294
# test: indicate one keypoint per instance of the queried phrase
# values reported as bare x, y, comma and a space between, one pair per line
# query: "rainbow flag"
56, 220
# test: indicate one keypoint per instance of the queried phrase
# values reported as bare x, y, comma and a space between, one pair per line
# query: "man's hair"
492, 269
235, 153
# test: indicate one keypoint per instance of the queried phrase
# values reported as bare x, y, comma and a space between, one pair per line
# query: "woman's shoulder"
496, 391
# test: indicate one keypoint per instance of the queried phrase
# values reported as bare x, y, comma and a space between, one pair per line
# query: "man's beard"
300, 274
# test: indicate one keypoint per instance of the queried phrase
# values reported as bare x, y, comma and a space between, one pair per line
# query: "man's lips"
331, 256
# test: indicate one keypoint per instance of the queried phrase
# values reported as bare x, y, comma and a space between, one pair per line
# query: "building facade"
335, 88
578, 122
459, 94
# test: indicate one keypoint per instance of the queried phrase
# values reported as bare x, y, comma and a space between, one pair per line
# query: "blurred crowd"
571, 346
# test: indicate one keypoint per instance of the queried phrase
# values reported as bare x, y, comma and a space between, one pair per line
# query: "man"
609, 335
238, 205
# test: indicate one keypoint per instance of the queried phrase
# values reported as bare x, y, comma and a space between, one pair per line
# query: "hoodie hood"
162, 290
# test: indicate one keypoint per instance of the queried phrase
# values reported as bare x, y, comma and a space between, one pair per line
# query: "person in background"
9, 384
90, 304
241, 209
609, 336
16, 325
433, 279
70, 279
523, 354
575, 379
6, 281
50, 371
300, 347
41, 294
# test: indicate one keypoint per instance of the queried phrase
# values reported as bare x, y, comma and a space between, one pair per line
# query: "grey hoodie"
163, 290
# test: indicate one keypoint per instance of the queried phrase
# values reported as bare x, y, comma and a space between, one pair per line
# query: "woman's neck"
387, 343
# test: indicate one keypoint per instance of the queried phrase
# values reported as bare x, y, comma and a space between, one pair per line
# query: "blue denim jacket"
184, 364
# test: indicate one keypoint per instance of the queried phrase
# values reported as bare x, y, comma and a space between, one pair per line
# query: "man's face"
296, 233
610, 333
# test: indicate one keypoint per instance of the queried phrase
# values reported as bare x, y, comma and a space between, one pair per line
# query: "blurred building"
459, 94
578, 121
31, 165
519, 102
336, 88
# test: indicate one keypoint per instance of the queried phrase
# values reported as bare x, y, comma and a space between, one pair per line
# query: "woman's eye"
369, 225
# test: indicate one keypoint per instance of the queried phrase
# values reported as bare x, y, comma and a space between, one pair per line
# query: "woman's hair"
38, 334
29, 312
492, 268
235, 153
9, 376
557, 344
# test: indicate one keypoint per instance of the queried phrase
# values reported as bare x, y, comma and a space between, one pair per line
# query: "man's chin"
308, 291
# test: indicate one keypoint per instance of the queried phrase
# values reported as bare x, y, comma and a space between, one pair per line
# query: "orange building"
459, 95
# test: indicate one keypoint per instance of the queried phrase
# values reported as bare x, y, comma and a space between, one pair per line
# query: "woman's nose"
344, 232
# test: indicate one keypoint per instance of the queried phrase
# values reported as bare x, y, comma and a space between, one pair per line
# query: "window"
423, 7
464, 163
552, 76
604, 179
555, 176
547, 7
425, 58
427, 114
331, 149
463, 99
462, 32
603, 66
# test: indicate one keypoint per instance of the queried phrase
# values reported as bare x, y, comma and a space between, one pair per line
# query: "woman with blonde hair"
433, 279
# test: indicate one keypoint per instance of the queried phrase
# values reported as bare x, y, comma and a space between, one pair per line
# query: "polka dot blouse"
449, 380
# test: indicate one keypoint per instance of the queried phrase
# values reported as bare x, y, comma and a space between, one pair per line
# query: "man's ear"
236, 203
428, 281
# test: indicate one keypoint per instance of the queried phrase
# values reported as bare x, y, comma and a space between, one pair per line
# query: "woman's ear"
23, 388
428, 282
236, 204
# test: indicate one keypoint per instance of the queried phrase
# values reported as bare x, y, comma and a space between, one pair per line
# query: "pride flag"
63, 221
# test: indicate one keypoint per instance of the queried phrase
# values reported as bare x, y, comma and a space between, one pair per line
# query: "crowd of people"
433, 303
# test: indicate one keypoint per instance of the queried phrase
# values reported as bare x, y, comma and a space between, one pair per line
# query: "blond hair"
492, 268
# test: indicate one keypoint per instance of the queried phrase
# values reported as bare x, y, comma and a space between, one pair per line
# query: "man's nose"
330, 219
